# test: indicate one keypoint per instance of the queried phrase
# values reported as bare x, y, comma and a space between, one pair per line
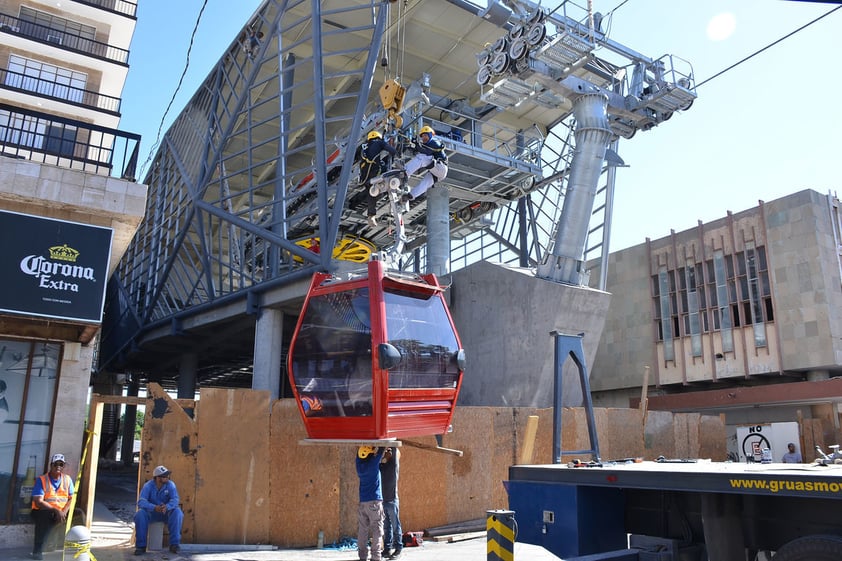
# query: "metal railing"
40, 137
117, 6
63, 39
58, 91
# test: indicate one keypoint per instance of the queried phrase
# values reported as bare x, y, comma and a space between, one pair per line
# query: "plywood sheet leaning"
620, 433
304, 483
233, 454
659, 435
711, 436
170, 439
485, 436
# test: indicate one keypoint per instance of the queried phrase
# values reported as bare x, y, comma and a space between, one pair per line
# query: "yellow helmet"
365, 451
374, 134
426, 129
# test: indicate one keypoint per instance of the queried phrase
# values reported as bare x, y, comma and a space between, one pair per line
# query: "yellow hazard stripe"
505, 532
496, 550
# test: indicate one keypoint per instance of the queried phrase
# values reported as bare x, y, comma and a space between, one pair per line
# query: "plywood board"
712, 438
170, 439
304, 482
233, 453
659, 435
622, 433
314, 487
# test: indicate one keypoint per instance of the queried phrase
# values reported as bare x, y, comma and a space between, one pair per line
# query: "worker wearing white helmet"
430, 156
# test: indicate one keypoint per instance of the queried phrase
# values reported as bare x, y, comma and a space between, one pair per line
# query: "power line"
787, 36
177, 88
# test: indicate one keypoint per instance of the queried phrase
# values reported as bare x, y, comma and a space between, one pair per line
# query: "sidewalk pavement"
111, 540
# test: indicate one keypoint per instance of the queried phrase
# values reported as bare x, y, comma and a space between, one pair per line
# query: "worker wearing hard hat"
52, 496
372, 165
370, 510
430, 156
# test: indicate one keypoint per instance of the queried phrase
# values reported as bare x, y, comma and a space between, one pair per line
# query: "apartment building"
69, 205
740, 316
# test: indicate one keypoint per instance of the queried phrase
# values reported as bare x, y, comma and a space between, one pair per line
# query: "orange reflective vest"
56, 497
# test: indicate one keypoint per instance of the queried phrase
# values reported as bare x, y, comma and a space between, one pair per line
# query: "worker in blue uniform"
370, 510
158, 502
430, 156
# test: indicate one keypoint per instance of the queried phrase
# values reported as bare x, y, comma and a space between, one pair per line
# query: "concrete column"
187, 375
438, 230
127, 448
268, 334
818, 375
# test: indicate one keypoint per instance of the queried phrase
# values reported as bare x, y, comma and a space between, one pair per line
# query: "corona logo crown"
63, 253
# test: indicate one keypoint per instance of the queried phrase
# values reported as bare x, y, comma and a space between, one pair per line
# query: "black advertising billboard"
53, 268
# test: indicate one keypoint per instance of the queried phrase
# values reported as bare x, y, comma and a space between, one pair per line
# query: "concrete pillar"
130, 420
268, 334
818, 375
438, 230
187, 375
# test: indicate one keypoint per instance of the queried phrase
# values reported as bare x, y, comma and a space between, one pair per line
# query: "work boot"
175, 548
396, 554
387, 553
36, 555
139, 550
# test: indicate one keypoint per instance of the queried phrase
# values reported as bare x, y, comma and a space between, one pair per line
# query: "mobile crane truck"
673, 509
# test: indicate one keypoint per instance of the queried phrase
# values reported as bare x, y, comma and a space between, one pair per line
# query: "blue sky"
765, 129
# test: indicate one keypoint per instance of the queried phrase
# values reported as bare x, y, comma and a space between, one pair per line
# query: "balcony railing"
116, 6
40, 137
68, 41
51, 89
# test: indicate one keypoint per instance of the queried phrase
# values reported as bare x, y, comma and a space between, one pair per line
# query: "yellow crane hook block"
391, 96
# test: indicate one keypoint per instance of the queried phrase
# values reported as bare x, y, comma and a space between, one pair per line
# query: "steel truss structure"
254, 187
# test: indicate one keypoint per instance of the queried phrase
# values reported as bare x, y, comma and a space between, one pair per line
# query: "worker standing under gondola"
372, 164
430, 156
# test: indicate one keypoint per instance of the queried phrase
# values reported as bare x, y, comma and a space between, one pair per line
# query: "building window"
720, 294
665, 295
56, 28
21, 130
46, 79
723, 309
692, 324
28, 380
753, 296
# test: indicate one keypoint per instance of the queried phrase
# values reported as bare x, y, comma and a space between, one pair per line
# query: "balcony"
49, 139
58, 91
62, 39
116, 6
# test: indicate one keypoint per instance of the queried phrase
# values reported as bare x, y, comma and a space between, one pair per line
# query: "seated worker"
52, 495
372, 166
430, 156
158, 503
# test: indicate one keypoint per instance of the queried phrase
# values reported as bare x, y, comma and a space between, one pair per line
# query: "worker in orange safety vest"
51, 496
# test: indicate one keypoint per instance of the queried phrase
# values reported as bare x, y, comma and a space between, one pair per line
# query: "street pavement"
111, 541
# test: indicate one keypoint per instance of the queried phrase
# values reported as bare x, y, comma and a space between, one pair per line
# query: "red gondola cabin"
375, 356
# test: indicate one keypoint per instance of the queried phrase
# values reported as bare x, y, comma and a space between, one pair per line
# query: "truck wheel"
811, 548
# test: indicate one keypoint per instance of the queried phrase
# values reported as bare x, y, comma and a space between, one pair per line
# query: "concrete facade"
784, 292
504, 316
82, 184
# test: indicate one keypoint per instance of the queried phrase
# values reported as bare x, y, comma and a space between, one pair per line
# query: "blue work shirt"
368, 471
151, 496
